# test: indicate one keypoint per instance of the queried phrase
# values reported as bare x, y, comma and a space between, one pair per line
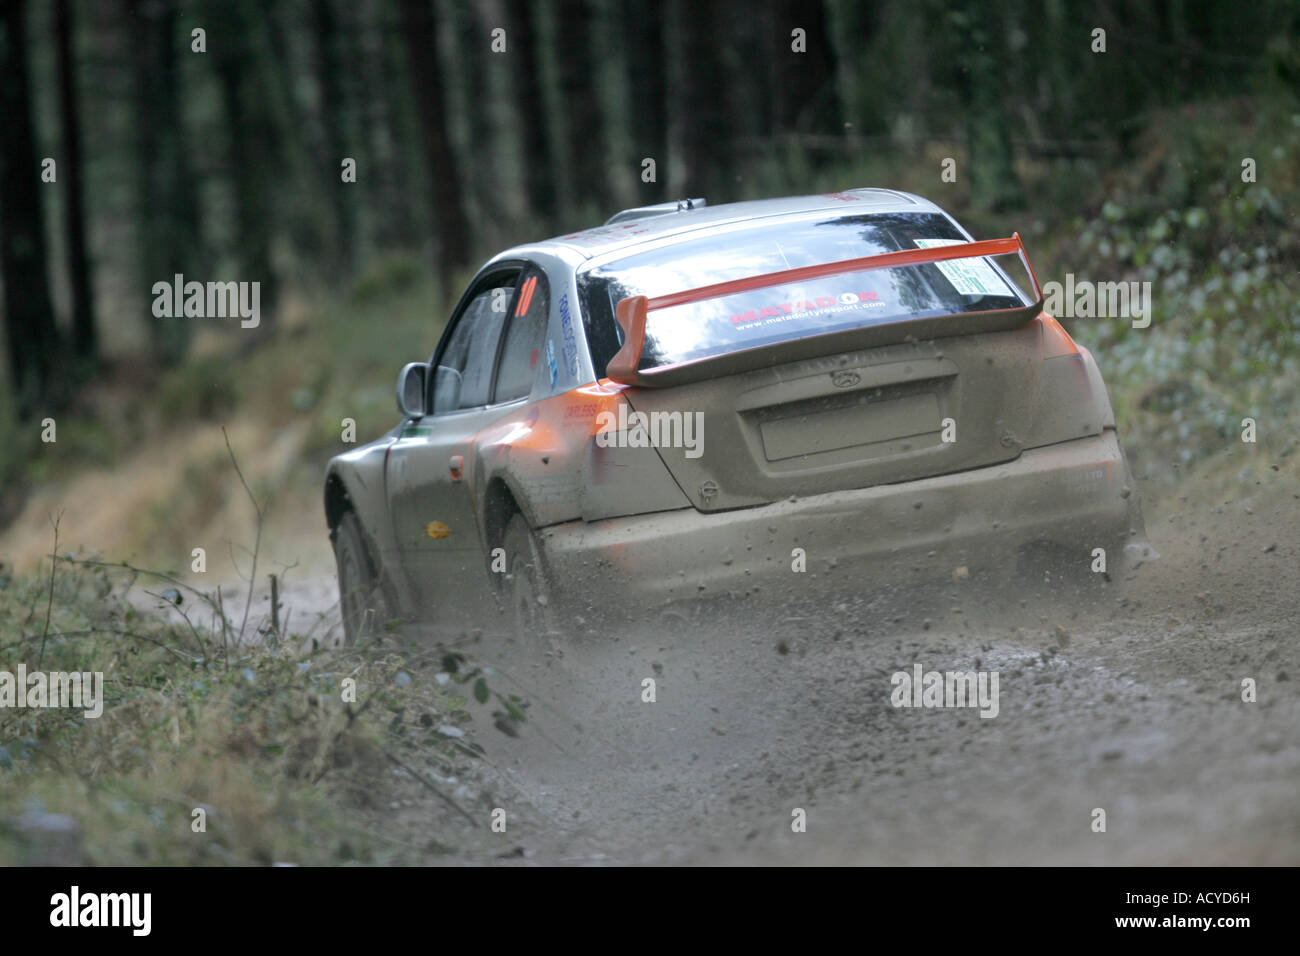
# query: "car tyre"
530, 607
362, 603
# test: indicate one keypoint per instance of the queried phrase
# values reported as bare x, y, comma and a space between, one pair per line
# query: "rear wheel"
362, 603
529, 606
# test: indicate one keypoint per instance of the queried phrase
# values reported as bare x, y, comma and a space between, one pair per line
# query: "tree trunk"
704, 123
85, 342
540, 180
994, 183
234, 40
806, 99
330, 70
647, 81
393, 119
582, 114
35, 347
420, 30
473, 94
162, 175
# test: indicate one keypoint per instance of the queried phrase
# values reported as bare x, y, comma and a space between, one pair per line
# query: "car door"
475, 379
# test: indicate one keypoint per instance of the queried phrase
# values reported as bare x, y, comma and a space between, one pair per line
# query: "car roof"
615, 236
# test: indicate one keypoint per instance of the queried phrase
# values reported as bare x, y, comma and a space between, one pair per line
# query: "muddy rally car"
697, 401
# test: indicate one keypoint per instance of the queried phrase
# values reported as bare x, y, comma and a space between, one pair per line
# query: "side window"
604, 334
522, 351
463, 378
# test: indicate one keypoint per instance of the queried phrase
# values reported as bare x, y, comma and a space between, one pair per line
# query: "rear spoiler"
624, 367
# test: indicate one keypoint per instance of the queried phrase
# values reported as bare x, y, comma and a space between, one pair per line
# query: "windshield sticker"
968, 276
822, 305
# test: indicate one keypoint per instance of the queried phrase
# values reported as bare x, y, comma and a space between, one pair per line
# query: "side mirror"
412, 387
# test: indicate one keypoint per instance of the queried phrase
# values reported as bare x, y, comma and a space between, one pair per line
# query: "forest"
225, 225
295, 143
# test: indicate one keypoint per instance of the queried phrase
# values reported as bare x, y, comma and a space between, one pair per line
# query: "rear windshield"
782, 312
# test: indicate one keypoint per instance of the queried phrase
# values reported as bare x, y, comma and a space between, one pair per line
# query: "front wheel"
362, 603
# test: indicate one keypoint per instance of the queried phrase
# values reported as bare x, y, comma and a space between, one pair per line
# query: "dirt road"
1132, 704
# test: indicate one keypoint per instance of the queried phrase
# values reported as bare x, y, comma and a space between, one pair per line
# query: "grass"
262, 735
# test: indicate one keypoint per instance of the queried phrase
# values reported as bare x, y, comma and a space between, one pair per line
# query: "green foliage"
389, 273
266, 735
1221, 254
205, 389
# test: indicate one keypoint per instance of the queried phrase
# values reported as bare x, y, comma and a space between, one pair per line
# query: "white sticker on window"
968, 276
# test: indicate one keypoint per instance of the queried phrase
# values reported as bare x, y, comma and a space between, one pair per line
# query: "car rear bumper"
1071, 497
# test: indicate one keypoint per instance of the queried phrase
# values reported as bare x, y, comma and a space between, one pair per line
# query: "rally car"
690, 400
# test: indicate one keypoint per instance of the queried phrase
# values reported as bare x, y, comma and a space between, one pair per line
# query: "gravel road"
1130, 702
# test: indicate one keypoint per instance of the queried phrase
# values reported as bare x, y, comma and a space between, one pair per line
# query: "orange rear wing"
633, 311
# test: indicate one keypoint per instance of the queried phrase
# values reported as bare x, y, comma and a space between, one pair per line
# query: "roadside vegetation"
224, 738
